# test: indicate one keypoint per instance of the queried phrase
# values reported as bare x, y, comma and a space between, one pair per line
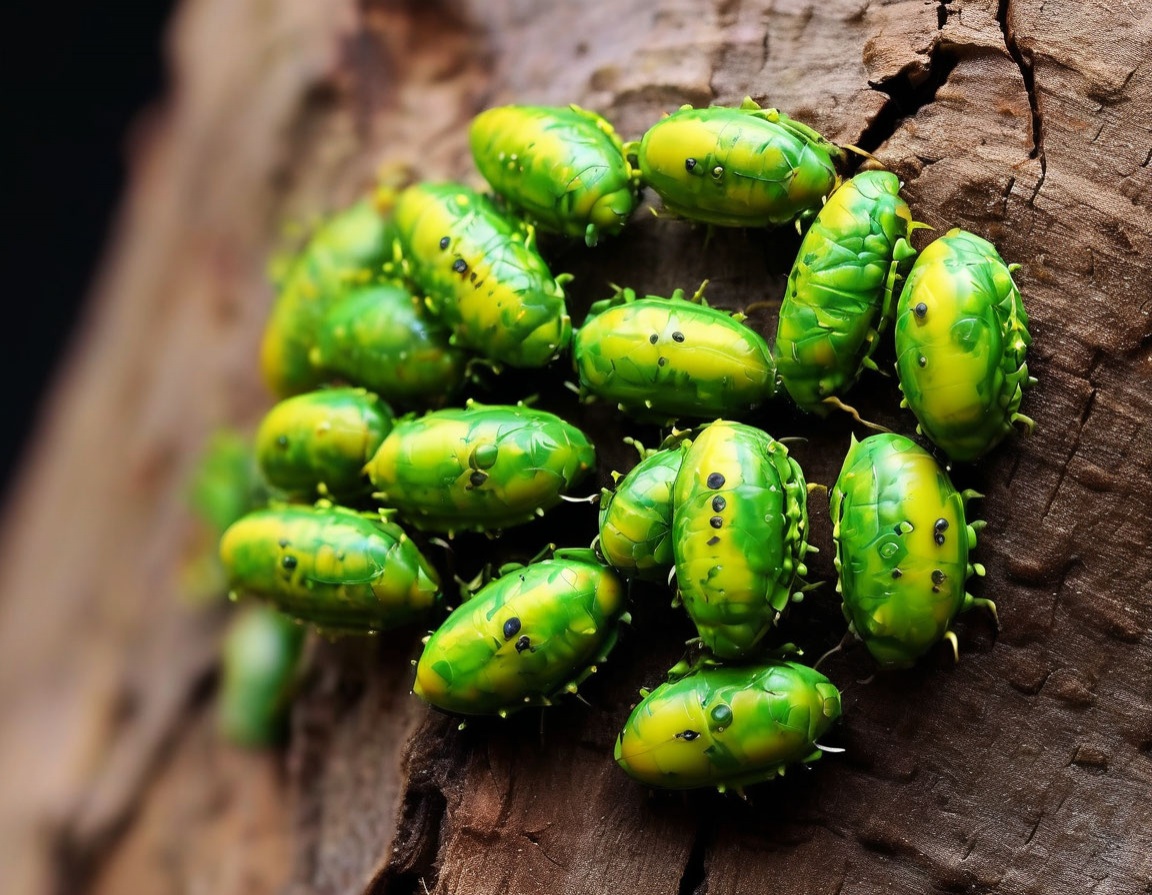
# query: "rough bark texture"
1024, 768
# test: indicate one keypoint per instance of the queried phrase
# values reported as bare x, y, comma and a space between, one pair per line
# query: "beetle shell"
902, 544
341, 570
383, 338
668, 357
839, 294
728, 726
961, 336
479, 468
524, 638
636, 518
346, 250
319, 441
260, 667
564, 167
738, 167
481, 274
740, 527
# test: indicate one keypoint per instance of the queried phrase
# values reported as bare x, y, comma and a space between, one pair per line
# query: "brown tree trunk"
1025, 768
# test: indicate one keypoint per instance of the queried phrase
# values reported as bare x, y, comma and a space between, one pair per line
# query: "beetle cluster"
396, 301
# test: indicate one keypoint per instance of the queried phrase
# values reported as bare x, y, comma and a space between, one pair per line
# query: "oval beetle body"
346, 250
383, 338
525, 638
260, 668
740, 529
661, 358
319, 441
727, 727
480, 468
902, 543
343, 571
961, 337
481, 274
562, 166
636, 518
738, 167
839, 294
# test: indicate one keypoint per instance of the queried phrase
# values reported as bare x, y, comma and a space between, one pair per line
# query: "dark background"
75, 78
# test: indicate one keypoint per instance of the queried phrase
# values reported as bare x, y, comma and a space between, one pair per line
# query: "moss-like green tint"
226, 481
479, 468
562, 166
661, 358
260, 661
318, 442
839, 294
961, 336
481, 274
341, 570
902, 543
740, 528
636, 518
524, 638
383, 338
728, 727
346, 250
738, 167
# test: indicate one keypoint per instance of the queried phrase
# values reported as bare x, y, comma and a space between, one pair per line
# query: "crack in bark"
693, 877
1027, 66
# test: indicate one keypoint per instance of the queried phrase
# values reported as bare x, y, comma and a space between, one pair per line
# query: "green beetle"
961, 336
739, 534
902, 542
481, 273
343, 571
346, 250
662, 358
479, 468
384, 338
839, 294
636, 518
727, 727
260, 670
737, 167
527, 637
319, 441
563, 167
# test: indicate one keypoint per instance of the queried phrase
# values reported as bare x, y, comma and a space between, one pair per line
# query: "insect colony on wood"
402, 299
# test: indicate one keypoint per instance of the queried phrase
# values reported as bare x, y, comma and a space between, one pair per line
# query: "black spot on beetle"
716, 521
718, 503
459, 265
677, 337
896, 573
524, 643
511, 628
938, 577
445, 242
920, 310
713, 541
689, 164
289, 562
687, 735
715, 480
283, 542
654, 338
941, 525
922, 360
478, 478
661, 361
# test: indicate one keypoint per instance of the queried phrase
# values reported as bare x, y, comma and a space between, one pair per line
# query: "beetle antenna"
851, 411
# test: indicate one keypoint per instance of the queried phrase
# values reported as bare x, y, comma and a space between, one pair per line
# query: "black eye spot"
677, 337
653, 338
921, 310
459, 265
716, 521
661, 361
718, 503
511, 628
523, 643
445, 242
896, 573
689, 164
289, 562
941, 525
688, 735
715, 480
478, 478
922, 360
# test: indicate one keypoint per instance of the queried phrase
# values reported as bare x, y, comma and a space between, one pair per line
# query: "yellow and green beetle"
343, 571
727, 727
961, 337
481, 274
902, 543
839, 296
383, 338
636, 518
260, 670
737, 167
347, 250
318, 442
532, 634
563, 167
739, 534
480, 467
663, 358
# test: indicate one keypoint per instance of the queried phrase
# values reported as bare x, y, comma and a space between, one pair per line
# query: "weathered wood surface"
1023, 769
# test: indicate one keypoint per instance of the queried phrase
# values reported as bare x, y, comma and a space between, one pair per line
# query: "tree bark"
1024, 768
